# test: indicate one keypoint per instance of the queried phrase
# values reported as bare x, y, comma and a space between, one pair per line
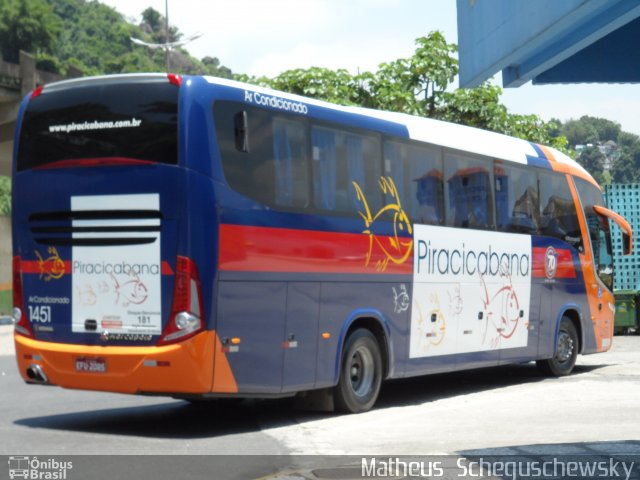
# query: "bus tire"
564, 358
360, 373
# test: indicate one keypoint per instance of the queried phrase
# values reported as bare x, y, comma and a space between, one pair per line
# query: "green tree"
28, 25
588, 129
579, 133
337, 86
592, 159
213, 67
414, 85
5, 195
624, 169
477, 107
420, 85
96, 39
607, 129
154, 23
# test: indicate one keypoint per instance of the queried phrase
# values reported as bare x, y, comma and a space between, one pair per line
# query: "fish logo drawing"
400, 299
51, 267
502, 311
432, 328
397, 247
86, 295
132, 291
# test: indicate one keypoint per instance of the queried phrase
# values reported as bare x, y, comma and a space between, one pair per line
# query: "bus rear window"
134, 119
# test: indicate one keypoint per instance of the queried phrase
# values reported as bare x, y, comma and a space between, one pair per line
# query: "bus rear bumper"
185, 367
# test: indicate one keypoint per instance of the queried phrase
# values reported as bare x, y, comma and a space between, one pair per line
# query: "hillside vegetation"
92, 37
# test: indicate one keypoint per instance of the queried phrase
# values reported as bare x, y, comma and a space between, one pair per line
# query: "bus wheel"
564, 358
360, 374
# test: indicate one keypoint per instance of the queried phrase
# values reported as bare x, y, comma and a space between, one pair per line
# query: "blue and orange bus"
202, 238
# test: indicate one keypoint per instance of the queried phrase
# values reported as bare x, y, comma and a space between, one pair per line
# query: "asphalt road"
506, 410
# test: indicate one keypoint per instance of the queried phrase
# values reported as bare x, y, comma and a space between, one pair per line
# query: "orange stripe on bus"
565, 167
223, 378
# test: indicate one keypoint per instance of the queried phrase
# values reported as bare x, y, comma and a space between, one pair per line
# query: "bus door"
598, 262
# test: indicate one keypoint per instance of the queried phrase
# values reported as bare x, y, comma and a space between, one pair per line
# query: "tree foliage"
93, 38
5, 195
28, 25
420, 85
592, 130
592, 159
620, 149
626, 167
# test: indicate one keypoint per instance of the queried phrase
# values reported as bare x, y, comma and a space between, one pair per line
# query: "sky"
260, 37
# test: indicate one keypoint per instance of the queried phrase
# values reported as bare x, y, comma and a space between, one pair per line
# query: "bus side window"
291, 171
250, 172
517, 199
558, 211
340, 159
264, 155
599, 231
470, 198
417, 173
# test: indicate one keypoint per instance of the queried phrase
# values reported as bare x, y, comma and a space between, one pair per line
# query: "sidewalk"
6, 340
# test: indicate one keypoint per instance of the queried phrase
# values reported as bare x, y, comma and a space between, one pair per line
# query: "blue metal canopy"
549, 41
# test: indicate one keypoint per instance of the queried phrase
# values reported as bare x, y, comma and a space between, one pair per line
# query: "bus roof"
436, 132
445, 134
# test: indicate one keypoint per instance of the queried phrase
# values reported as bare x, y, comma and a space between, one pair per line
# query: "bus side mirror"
627, 231
241, 131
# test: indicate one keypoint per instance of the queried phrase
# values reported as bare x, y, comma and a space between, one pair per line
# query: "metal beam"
522, 38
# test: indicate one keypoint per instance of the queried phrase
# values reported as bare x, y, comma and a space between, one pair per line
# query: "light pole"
167, 45
166, 33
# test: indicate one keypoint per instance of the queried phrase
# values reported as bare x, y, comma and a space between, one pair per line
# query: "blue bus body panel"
282, 328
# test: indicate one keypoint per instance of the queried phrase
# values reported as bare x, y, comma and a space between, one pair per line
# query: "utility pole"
167, 46
166, 34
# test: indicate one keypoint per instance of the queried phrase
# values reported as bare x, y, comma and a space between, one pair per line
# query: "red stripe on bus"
36, 266
565, 266
266, 249
166, 268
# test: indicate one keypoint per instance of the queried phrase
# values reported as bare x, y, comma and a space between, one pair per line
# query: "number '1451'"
40, 314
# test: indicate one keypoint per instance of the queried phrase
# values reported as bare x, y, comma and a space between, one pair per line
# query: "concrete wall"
5, 253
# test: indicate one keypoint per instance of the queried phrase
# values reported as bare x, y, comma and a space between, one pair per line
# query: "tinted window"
341, 160
469, 198
599, 233
131, 118
273, 169
417, 173
282, 161
517, 200
291, 167
558, 211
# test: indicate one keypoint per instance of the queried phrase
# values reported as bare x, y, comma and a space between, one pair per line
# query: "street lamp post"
167, 46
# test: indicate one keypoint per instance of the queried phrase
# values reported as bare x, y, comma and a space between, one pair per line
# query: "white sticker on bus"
471, 291
117, 286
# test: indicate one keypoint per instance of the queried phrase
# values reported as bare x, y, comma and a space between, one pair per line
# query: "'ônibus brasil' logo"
550, 262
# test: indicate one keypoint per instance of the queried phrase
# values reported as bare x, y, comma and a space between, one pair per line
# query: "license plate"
91, 364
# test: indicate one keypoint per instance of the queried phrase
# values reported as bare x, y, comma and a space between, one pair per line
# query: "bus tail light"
186, 313
36, 92
20, 319
175, 79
